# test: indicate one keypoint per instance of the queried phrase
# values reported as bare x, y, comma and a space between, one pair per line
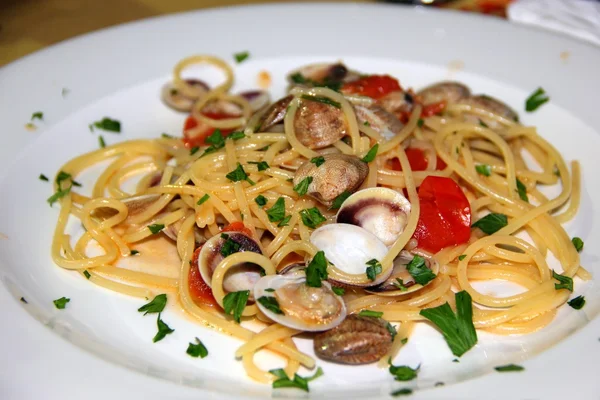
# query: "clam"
350, 248
173, 98
274, 114
489, 104
339, 173
322, 74
357, 340
300, 306
448, 91
383, 212
400, 281
318, 125
397, 102
239, 277
378, 118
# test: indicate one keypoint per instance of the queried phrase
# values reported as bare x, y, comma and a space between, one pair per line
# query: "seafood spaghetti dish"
348, 212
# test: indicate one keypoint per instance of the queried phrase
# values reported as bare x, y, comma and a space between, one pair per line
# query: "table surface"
30, 25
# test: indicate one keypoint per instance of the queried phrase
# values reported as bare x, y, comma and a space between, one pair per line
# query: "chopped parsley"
163, 330
277, 212
86, 274
61, 303
483, 124
374, 268
270, 303
509, 368
371, 154
194, 150
203, 199
107, 124
577, 302
420, 122
404, 340
229, 246
43, 178
62, 192
157, 305
321, 99
101, 142
262, 165
285, 221
312, 217
302, 187
58, 195
23, 300
566, 282
401, 392
241, 56
402, 372
235, 303
37, 115
197, 349
155, 228
371, 313
216, 142
260, 200
134, 252
522, 190
419, 271
283, 381
536, 99
483, 169
491, 223
239, 174
366, 123
299, 78
462, 257
392, 330
399, 284
166, 136
317, 270
458, 329
236, 135
578, 243
339, 291
338, 201
317, 160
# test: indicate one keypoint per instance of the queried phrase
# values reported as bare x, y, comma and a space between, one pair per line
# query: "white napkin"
578, 18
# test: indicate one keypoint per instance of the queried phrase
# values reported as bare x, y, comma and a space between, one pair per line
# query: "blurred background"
30, 25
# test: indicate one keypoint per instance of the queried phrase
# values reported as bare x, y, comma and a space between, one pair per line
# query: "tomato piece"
237, 226
417, 160
433, 109
205, 131
374, 86
199, 290
445, 217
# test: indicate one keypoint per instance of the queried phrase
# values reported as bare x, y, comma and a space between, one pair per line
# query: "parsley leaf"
229, 246
402, 392
338, 201
566, 282
270, 303
321, 99
215, 139
399, 284
302, 187
277, 212
483, 124
577, 302
155, 228
197, 350
536, 99
339, 291
509, 368
578, 243
317, 160
61, 303
166, 136
203, 199
317, 270
43, 178
483, 169
134, 252
371, 154
87, 274
260, 200
283, 381
107, 124
462, 257
239, 174
458, 329
194, 150
403, 372
157, 305
241, 56
392, 330
285, 221
58, 195
163, 330
312, 217
37, 115
236, 135
491, 223
236, 302
420, 122
101, 142
262, 165
374, 268
522, 190
371, 313
419, 271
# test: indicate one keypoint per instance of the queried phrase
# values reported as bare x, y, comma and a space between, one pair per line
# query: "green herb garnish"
285, 221
277, 212
577, 302
321, 99
101, 142
61, 303
302, 187
229, 246
370, 313
43, 178
134, 253
374, 268
194, 150
419, 271
236, 135
462, 257
491, 223
509, 368
283, 381
157, 305
262, 165
107, 124
270, 303
578, 243
239, 174
566, 282
37, 115
339, 291
241, 56
371, 154
522, 190
317, 160
483, 169
317, 270
338, 201
197, 349
203, 199
155, 228
260, 200
312, 217
401, 392
402, 372
86, 274
536, 99
235, 303
163, 330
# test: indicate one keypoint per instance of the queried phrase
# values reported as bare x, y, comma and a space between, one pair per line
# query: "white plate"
118, 72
